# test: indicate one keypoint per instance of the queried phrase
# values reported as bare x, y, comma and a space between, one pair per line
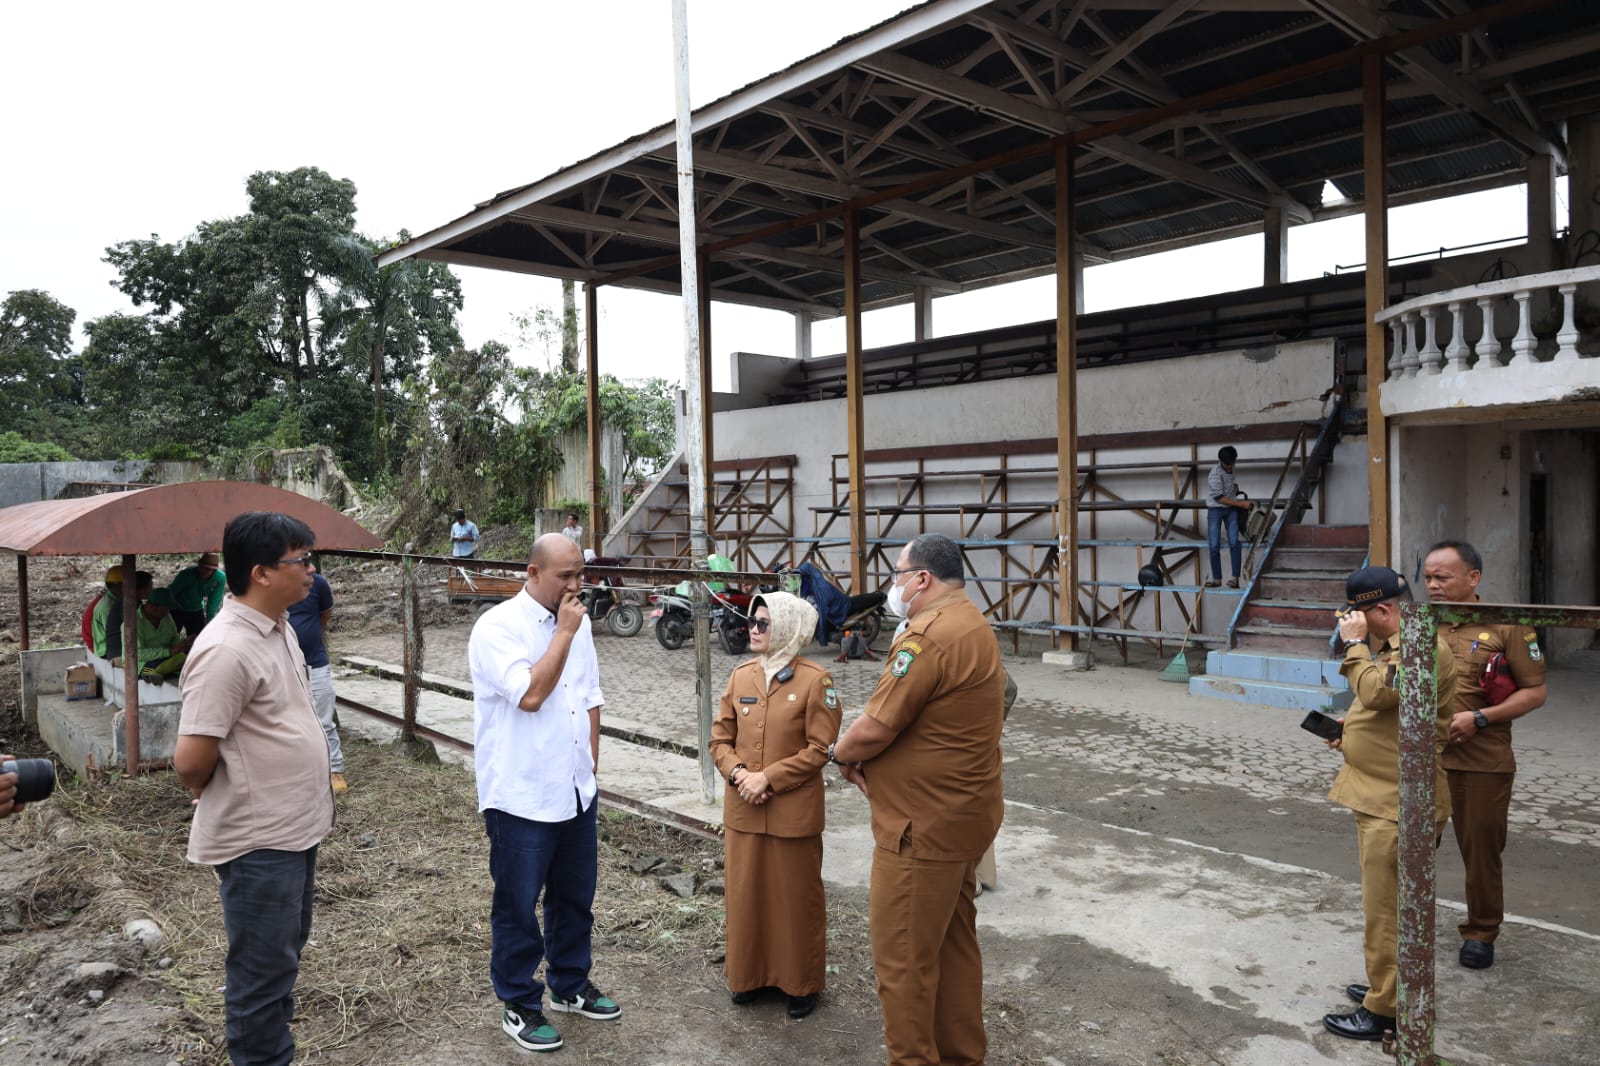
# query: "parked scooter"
730, 619
605, 604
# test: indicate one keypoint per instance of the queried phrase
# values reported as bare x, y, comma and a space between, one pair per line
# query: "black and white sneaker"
589, 1002
527, 1026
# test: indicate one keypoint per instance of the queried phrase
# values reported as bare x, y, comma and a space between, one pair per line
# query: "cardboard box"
80, 683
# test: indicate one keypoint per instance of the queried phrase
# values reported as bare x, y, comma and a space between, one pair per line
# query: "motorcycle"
730, 619
604, 603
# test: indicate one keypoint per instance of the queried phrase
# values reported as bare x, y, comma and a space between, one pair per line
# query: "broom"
1179, 669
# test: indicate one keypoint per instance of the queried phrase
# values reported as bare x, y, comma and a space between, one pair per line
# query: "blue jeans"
266, 909
526, 857
1216, 518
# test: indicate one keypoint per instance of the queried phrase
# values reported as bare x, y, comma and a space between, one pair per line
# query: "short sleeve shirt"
531, 764
463, 529
1474, 644
936, 789
306, 617
246, 684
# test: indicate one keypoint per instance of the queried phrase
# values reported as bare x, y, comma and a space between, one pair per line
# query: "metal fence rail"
1419, 632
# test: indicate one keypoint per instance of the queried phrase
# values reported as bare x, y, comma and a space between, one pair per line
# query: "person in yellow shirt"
1369, 782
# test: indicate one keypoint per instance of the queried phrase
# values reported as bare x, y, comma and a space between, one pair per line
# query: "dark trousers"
1480, 805
1216, 519
560, 859
266, 908
191, 622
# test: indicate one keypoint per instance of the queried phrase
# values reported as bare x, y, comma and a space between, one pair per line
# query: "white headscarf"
794, 624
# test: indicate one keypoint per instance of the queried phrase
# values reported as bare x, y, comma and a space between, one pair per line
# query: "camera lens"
36, 778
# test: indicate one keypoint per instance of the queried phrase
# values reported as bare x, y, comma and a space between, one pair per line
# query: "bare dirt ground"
1144, 917
396, 971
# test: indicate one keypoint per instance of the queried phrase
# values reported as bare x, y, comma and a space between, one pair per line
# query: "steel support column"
854, 387
703, 295
1375, 193
1419, 760
1275, 253
130, 660
22, 601
1068, 283
591, 347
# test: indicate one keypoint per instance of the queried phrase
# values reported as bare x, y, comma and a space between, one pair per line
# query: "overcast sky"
127, 120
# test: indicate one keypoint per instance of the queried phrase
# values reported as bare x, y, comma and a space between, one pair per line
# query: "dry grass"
400, 942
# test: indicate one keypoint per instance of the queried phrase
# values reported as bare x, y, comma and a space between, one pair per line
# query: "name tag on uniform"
748, 699
793, 697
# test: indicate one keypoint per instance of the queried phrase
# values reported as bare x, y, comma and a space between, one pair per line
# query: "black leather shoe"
1358, 993
747, 996
800, 1006
1362, 1025
1477, 954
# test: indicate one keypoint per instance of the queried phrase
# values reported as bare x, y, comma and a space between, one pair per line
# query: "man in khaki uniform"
1478, 757
1369, 783
928, 747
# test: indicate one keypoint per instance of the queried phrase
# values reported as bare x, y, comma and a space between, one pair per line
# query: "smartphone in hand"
1324, 726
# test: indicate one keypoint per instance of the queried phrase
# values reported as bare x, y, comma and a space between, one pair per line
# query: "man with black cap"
1369, 782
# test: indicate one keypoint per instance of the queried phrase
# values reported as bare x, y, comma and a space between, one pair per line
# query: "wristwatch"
1480, 719
733, 771
831, 759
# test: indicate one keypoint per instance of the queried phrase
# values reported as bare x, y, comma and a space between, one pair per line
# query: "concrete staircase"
1282, 655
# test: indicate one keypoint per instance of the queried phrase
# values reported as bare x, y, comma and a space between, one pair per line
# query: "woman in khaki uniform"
770, 742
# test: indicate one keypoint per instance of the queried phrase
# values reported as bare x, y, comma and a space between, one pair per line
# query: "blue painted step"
1290, 669
1271, 693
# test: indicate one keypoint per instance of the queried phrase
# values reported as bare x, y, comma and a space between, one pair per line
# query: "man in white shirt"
572, 530
536, 716
463, 536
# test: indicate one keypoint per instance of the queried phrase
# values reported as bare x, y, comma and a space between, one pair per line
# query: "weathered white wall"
1571, 462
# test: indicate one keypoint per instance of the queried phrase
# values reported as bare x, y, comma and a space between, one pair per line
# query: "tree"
279, 311
394, 316
37, 377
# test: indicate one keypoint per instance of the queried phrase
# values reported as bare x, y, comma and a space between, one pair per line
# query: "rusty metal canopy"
164, 520
949, 84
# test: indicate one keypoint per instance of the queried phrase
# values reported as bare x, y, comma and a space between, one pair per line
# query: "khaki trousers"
1378, 841
1480, 804
925, 952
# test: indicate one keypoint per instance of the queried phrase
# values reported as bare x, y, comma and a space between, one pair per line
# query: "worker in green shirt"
197, 593
105, 624
162, 652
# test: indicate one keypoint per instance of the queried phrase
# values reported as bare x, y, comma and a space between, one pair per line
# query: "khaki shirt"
935, 790
1369, 781
246, 683
1488, 751
784, 733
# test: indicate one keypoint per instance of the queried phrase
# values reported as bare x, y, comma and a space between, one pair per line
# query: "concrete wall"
32, 482
1571, 463
42, 671
1472, 483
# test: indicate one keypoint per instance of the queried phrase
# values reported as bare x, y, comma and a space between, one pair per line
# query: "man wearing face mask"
929, 745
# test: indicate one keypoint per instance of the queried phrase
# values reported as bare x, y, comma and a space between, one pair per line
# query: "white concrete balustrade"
1432, 366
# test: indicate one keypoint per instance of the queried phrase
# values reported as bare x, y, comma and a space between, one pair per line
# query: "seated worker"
197, 593
105, 620
162, 652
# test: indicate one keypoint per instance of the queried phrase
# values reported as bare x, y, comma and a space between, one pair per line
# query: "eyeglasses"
760, 625
907, 570
298, 560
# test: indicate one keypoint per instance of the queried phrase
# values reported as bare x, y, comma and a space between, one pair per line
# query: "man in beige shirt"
251, 751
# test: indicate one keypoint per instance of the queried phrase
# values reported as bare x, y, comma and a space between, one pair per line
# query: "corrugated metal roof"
940, 86
164, 520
